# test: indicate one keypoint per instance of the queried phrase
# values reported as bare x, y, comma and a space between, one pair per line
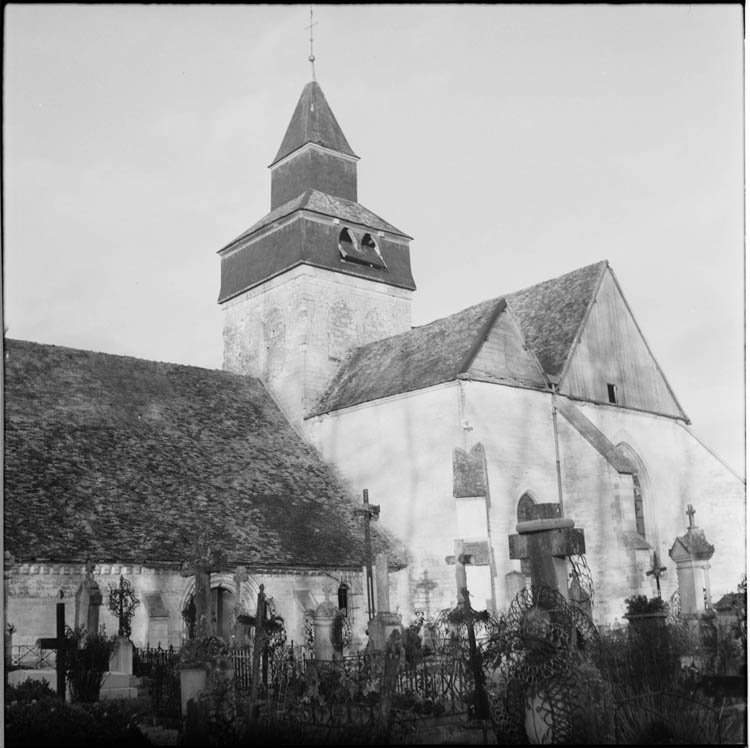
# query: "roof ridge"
558, 277
89, 351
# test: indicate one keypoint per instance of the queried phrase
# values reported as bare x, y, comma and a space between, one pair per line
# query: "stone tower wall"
294, 331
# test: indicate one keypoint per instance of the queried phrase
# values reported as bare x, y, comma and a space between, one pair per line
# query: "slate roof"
313, 122
308, 242
549, 314
124, 460
326, 205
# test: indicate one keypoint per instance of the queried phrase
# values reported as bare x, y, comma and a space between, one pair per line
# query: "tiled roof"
313, 122
327, 205
549, 315
422, 357
124, 460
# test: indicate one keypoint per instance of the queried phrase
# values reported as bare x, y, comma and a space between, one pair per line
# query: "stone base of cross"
545, 542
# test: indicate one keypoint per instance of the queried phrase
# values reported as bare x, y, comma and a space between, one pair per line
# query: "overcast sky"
514, 143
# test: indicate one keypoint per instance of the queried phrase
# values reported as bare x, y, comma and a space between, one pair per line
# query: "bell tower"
317, 276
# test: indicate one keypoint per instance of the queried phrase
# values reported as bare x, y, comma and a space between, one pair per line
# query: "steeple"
318, 275
314, 153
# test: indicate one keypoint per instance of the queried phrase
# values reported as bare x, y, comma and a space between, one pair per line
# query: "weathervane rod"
312, 54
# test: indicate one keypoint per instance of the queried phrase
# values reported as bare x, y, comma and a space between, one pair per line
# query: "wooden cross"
690, 513
369, 512
61, 644
205, 560
656, 571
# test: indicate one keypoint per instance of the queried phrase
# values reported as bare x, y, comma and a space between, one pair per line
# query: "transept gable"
610, 361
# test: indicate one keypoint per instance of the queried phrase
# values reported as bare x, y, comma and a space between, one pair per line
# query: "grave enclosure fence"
344, 693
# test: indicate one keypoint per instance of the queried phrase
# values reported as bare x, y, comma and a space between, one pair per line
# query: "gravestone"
691, 553
203, 562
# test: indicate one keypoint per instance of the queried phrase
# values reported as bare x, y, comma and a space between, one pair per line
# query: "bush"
86, 664
639, 604
53, 723
28, 690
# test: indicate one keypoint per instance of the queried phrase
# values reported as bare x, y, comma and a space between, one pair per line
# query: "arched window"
640, 486
638, 505
524, 508
343, 595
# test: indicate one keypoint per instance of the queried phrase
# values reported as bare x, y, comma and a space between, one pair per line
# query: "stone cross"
259, 644
61, 644
368, 512
460, 559
204, 561
656, 571
690, 513
425, 586
546, 541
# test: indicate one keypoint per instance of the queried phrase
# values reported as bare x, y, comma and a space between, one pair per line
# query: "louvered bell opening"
364, 252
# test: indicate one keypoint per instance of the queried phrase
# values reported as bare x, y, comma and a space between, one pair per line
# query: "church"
457, 428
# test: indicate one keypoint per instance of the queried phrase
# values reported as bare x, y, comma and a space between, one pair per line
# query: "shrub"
86, 664
28, 690
639, 604
53, 723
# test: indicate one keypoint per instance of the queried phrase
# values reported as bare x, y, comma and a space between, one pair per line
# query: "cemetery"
539, 672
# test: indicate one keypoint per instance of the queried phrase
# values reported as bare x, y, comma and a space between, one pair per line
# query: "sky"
514, 143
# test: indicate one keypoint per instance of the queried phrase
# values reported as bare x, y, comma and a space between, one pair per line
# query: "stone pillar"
121, 660
691, 553
380, 628
382, 591
94, 603
322, 622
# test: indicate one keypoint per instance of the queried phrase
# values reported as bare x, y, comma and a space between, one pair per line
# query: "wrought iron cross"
656, 571
690, 513
368, 512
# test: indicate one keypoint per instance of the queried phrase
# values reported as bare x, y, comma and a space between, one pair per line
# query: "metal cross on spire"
690, 513
312, 54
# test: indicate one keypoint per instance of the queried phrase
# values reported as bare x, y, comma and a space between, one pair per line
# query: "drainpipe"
557, 450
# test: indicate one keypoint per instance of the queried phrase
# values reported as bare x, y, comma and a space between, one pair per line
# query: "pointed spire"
313, 122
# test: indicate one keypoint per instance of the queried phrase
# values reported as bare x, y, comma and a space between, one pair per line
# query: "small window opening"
525, 504
343, 595
612, 393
